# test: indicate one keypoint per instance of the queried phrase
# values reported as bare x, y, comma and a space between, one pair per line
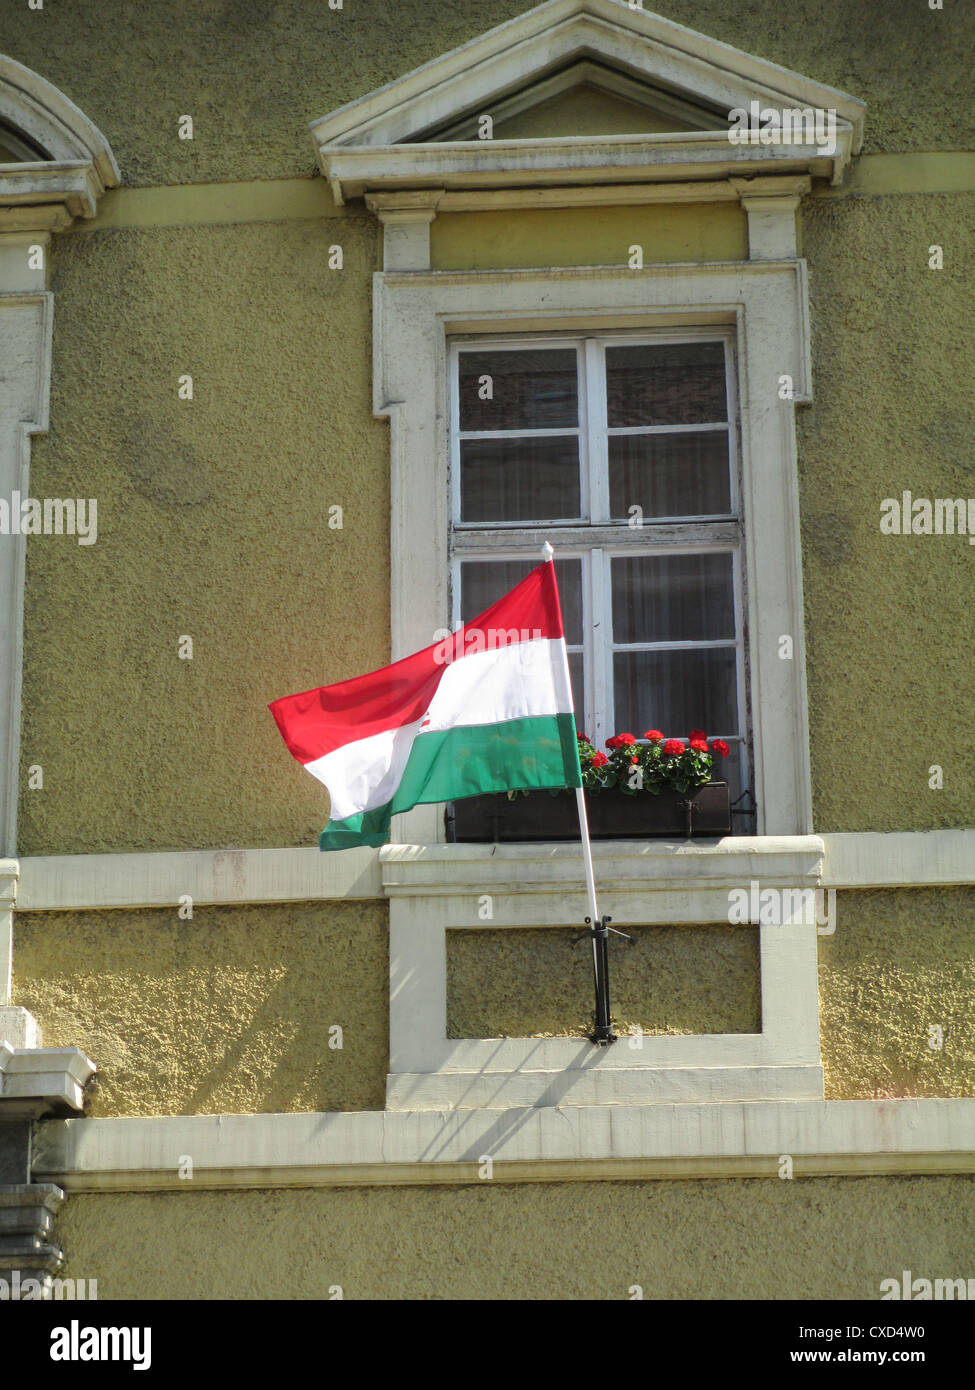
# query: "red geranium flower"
583, 738
626, 740
634, 759
719, 746
673, 746
654, 735
600, 760
699, 745
697, 733
613, 742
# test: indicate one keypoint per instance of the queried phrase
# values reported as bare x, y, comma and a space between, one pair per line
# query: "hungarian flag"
488, 709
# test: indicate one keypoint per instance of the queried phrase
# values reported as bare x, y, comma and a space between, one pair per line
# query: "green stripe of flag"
518, 755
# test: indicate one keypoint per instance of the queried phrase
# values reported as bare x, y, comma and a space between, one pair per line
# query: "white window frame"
664, 535
765, 303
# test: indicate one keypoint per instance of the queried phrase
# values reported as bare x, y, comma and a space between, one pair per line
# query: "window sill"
643, 874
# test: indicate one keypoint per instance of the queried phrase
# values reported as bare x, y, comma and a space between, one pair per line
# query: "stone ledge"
610, 1142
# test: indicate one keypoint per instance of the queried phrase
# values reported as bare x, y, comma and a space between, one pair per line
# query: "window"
622, 450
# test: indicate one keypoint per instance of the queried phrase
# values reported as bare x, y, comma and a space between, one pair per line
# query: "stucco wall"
230, 1012
227, 1013
253, 73
890, 661
820, 1238
899, 961
687, 979
212, 522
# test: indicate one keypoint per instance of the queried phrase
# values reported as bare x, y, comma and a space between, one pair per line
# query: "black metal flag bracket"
603, 1033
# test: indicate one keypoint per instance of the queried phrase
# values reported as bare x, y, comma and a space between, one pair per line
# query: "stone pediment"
582, 92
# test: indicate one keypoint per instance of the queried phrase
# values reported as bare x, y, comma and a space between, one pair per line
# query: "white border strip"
80, 882
531, 1145
75, 882
872, 859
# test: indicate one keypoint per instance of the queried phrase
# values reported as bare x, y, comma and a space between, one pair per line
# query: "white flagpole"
549, 555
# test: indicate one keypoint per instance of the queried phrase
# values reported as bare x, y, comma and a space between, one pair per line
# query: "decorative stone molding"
29, 1254
26, 315
36, 1081
9, 874
72, 162
400, 136
434, 889
772, 205
406, 219
18, 1028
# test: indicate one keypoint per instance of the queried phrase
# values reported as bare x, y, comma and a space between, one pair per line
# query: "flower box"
613, 815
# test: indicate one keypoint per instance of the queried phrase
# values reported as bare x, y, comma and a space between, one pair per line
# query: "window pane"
669, 474
673, 598
676, 691
519, 479
666, 384
483, 582
531, 389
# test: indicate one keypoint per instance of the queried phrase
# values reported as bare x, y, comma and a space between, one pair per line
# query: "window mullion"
596, 442
602, 647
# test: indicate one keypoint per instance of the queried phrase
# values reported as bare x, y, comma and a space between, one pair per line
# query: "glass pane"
676, 692
673, 598
527, 389
669, 474
519, 479
666, 384
483, 582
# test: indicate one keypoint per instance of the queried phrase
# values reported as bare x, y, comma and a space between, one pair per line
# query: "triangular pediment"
585, 98
583, 70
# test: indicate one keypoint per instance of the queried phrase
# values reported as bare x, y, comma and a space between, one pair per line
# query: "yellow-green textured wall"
253, 73
690, 979
588, 236
819, 1238
889, 650
227, 1013
900, 962
230, 1012
213, 522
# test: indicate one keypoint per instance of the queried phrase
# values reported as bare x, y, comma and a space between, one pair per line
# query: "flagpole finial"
547, 551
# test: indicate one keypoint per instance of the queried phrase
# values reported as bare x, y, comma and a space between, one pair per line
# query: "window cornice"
389, 138
48, 194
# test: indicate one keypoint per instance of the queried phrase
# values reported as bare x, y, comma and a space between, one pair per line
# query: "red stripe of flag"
318, 721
